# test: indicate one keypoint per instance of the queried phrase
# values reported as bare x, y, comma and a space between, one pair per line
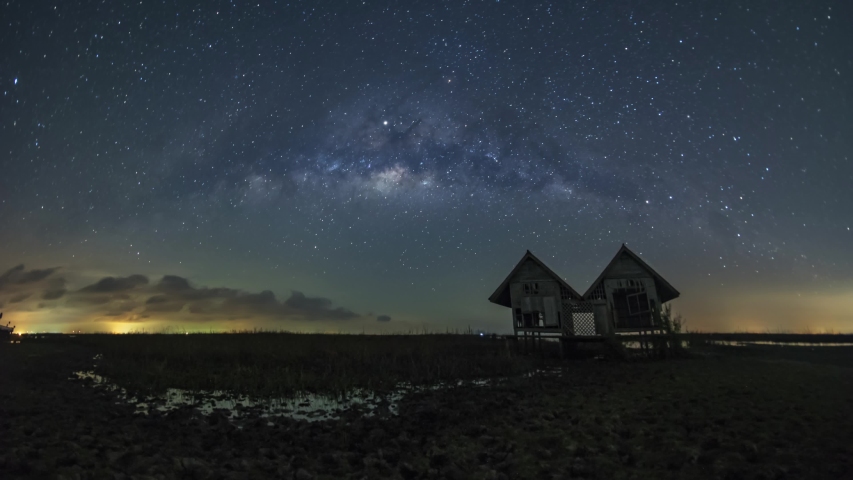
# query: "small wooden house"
540, 300
626, 297
629, 294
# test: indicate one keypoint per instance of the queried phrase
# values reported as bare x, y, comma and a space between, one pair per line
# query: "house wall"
639, 284
546, 300
624, 279
626, 267
629, 274
603, 321
531, 271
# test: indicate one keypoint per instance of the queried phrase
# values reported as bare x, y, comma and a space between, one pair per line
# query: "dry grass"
731, 413
713, 417
282, 364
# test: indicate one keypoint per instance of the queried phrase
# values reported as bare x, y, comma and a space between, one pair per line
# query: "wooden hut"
626, 297
540, 300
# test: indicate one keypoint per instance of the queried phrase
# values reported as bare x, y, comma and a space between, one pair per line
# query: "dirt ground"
725, 415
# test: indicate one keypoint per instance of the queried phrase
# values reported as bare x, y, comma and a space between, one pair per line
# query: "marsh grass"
270, 365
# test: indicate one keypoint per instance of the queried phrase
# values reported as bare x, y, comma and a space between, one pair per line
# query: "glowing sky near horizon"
381, 166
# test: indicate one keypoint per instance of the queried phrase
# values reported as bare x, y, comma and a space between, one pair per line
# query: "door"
551, 318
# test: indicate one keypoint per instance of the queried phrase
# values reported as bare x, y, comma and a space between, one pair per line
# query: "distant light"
481, 334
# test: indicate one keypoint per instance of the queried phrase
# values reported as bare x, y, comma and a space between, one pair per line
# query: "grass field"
726, 412
283, 364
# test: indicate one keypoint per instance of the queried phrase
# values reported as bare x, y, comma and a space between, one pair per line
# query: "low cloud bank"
135, 298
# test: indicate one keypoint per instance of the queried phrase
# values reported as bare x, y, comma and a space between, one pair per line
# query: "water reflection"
751, 343
309, 407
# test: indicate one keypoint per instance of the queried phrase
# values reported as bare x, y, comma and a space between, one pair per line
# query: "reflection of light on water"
309, 407
638, 345
545, 372
749, 343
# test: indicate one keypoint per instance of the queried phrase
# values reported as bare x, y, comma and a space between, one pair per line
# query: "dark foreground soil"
717, 416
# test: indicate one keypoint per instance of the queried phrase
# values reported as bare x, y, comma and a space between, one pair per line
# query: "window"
519, 322
531, 288
532, 319
638, 303
631, 308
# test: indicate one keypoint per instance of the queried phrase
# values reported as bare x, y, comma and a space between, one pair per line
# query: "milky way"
393, 160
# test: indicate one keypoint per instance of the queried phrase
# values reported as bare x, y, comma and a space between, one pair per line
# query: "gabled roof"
666, 292
501, 295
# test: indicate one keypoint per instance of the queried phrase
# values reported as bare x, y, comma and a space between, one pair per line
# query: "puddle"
308, 407
545, 372
750, 343
637, 345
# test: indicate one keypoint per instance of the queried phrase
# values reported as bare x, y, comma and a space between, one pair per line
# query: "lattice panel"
583, 319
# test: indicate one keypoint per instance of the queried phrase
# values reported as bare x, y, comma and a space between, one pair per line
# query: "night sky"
382, 166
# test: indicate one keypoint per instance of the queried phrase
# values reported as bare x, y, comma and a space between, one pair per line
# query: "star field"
359, 160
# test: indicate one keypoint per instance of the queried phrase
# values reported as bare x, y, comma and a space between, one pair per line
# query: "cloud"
115, 284
109, 292
55, 289
173, 283
120, 309
383, 318
53, 294
173, 293
172, 298
250, 305
20, 297
80, 300
11, 274
162, 303
317, 307
176, 287
36, 275
265, 304
18, 285
19, 275
298, 300
203, 308
255, 300
157, 299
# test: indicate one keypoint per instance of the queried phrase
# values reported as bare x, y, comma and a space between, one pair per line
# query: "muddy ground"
720, 415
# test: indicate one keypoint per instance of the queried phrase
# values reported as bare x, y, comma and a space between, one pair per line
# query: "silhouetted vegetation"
754, 412
282, 364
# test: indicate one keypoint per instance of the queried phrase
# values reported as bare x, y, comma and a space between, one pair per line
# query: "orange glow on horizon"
708, 309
